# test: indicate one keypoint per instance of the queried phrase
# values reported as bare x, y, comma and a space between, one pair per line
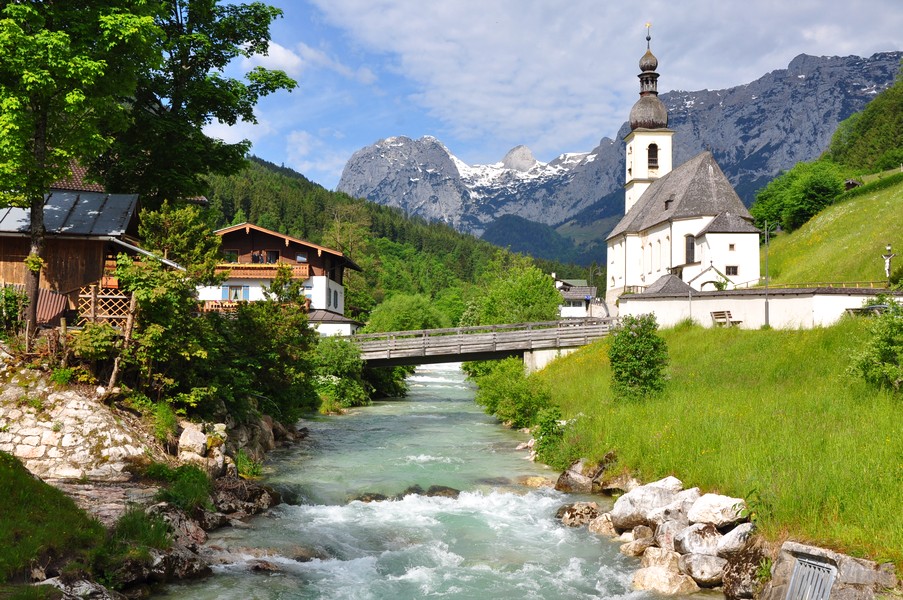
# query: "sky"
484, 76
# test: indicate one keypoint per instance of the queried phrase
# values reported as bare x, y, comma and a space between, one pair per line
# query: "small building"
85, 230
578, 299
251, 256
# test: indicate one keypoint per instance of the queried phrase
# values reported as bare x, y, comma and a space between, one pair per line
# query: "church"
685, 222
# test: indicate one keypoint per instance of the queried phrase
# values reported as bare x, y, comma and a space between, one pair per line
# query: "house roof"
248, 226
327, 316
728, 222
696, 188
578, 292
77, 181
88, 214
668, 284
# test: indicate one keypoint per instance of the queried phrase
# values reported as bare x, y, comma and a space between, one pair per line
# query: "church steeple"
649, 140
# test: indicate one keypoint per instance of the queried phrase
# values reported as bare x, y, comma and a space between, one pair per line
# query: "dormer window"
653, 156
669, 201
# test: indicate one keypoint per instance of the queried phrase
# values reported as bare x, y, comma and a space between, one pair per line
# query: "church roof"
694, 189
728, 222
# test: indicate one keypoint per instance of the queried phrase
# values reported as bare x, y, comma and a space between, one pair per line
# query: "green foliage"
880, 361
39, 522
130, 540
96, 341
509, 394
181, 235
872, 140
62, 377
549, 435
187, 486
12, 310
796, 196
638, 357
338, 374
246, 466
165, 152
406, 312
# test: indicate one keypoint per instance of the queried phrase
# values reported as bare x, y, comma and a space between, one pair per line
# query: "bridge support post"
534, 360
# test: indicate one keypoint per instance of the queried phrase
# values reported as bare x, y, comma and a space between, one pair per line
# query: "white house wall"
744, 256
323, 292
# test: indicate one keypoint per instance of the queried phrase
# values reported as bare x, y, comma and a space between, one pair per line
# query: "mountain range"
755, 131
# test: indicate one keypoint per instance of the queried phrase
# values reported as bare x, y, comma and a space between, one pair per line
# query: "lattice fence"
103, 304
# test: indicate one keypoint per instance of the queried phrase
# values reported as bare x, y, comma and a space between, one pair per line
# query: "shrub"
338, 374
638, 358
12, 308
188, 487
96, 341
247, 466
549, 436
880, 362
509, 394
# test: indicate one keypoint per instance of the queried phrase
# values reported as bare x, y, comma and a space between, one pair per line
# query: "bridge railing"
484, 338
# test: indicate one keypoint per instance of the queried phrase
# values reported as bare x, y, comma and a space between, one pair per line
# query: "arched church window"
653, 156
691, 249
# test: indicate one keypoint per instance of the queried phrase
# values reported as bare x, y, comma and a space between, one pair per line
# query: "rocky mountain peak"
519, 158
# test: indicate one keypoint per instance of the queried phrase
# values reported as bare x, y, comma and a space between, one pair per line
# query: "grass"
767, 415
39, 524
848, 238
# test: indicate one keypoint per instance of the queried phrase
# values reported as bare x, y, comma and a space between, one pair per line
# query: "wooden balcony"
261, 271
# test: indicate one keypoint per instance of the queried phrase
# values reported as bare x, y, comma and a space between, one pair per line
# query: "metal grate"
811, 580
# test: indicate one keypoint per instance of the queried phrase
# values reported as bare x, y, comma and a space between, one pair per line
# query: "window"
272, 257
690, 249
235, 292
230, 256
731, 247
653, 156
301, 257
731, 270
335, 299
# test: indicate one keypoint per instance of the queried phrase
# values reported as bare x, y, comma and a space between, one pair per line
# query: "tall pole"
766, 274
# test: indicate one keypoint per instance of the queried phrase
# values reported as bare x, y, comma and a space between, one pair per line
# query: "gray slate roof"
76, 213
728, 222
578, 292
696, 188
668, 284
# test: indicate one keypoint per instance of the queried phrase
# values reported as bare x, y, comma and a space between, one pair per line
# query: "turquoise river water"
497, 540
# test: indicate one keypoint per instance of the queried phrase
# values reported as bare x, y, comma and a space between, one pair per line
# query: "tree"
64, 68
165, 152
880, 362
796, 196
406, 312
638, 357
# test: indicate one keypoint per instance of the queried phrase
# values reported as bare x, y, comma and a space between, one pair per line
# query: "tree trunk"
36, 250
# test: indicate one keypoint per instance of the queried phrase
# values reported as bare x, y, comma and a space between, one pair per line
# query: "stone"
637, 547
442, 491
659, 557
666, 532
717, 509
601, 525
735, 539
706, 570
82, 589
664, 581
186, 531
643, 531
574, 481
701, 538
192, 440
676, 510
577, 514
535, 481
633, 508
743, 570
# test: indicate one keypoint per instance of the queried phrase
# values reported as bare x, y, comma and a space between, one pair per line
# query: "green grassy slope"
843, 243
768, 415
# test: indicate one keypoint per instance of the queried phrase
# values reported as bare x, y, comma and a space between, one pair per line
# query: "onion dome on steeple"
649, 112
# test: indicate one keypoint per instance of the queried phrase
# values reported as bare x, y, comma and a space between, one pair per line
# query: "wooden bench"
723, 318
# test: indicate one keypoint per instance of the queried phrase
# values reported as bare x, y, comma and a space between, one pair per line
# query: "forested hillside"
398, 254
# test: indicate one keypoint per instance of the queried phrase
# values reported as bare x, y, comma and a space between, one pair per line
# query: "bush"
188, 487
12, 309
638, 358
509, 394
549, 438
880, 362
247, 466
131, 539
338, 374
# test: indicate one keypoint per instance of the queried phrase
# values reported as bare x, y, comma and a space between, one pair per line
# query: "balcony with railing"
261, 270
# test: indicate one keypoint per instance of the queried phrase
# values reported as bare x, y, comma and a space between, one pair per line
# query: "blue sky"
486, 75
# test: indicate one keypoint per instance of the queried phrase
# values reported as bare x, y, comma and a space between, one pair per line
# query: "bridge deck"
475, 343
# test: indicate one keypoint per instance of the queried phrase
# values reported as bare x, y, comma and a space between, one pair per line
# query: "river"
497, 540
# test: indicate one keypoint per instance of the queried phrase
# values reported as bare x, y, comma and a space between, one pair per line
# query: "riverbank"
770, 416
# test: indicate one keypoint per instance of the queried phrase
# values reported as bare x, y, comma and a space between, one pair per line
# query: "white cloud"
546, 73
232, 134
315, 157
278, 58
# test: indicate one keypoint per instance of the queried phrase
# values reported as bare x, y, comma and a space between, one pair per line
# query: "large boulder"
744, 575
637, 547
701, 538
706, 571
193, 439
664, 581
666, 532
735, 540
678, 509
659, 557
186, 532
634, 507
717, 510
81, 588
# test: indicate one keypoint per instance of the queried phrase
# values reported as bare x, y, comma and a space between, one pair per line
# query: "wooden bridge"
477, 343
